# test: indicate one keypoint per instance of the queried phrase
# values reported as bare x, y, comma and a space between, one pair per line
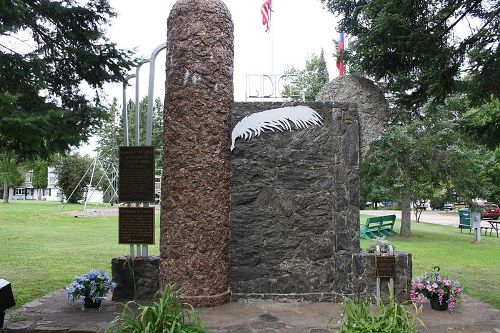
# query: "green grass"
475, 265
42, 250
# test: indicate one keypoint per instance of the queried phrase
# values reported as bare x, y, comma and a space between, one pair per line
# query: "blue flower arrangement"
90, 288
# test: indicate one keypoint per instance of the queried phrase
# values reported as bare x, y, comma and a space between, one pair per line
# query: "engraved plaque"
136, 225
385, 266
137, 174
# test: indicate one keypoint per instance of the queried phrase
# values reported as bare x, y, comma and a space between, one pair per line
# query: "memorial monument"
270, 210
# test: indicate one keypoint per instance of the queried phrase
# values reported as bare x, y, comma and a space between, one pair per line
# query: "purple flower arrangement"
431, 285
90, 287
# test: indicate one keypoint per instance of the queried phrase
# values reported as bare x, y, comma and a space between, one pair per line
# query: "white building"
28, 192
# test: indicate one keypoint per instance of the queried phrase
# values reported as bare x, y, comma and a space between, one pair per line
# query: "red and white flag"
340, 55
265, 10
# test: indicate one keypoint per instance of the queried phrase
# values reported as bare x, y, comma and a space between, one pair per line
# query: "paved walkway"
52, 313
436, 217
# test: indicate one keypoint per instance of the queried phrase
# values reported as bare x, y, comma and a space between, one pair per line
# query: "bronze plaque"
137, 174
385, 266
136, 225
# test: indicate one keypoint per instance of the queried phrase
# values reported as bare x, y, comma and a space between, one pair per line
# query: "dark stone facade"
195, 186
136, 277
295, 209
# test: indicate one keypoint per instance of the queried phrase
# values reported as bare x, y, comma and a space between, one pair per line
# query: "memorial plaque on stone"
136, 225
137, 174
385, 266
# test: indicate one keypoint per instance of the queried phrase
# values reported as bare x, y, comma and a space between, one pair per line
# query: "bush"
367, 318
166, 314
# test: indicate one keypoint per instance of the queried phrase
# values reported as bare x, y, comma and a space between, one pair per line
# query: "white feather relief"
275, 119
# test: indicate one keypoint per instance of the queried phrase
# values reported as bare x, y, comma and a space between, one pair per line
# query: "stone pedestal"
195, 186
135, 277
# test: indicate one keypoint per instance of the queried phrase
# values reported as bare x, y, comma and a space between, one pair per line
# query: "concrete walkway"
436, 217
52, 313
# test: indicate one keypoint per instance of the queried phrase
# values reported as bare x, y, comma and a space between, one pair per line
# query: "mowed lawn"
42, 250
475, 265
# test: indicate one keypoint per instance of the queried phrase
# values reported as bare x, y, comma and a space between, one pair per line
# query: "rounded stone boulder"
369, 100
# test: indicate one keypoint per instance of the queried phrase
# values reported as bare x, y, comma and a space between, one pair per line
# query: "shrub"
367, 318
166, 314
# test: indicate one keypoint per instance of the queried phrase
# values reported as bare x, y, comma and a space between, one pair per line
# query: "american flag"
340, 51
265, 10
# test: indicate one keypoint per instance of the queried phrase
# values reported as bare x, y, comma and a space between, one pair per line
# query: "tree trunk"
5, 192
405, 230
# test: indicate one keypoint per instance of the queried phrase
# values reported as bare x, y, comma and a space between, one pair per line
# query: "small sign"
136, 225
137, 174
385, 266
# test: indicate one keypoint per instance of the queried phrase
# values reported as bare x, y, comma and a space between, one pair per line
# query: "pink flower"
447, 283
429, 288
434, 285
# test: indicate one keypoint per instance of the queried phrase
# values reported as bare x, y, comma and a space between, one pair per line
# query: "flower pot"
89, 303
435, 303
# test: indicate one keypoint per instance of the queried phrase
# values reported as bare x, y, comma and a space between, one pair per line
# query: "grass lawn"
476, 266
42, 250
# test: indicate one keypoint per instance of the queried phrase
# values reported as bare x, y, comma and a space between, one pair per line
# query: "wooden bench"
378, 226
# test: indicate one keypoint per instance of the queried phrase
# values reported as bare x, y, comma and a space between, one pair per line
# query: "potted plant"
442, 292
90, 289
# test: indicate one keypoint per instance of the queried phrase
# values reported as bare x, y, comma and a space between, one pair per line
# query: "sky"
299, 29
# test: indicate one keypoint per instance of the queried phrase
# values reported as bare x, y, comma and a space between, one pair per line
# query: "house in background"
28, 192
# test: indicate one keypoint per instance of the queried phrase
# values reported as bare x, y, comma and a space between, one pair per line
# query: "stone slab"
54, 312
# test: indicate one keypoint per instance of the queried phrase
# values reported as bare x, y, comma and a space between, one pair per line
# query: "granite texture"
294, 206
369, 100
136, 277
195, 186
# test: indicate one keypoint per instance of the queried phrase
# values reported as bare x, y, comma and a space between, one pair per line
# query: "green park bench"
464, 220
378, 226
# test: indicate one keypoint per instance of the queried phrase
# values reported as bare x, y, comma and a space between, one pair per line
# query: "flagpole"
272, 37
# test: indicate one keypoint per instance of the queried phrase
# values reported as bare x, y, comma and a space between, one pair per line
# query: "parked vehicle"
448, 206
490, 211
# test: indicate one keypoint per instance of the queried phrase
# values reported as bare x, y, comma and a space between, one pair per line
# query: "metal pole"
151, 88
391, 280
137, 116
90, 184
124, 107
377, 253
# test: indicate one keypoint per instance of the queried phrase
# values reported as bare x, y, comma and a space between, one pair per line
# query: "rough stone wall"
294, 207
135, 277
195, 186
369, 100
364, 281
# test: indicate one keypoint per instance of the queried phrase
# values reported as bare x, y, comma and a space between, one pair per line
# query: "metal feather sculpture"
275, 119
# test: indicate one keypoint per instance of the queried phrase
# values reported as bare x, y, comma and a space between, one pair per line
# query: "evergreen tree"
422, 50
309, 80
42, 108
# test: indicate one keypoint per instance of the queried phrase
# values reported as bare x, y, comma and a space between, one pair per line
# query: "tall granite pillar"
195, 186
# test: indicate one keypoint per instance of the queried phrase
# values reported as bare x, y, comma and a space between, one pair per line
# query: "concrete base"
53, 313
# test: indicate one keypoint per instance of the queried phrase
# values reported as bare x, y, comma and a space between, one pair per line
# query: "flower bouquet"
442, 293
90, 288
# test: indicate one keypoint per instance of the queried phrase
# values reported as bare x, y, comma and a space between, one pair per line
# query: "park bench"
378, 226
465, 223
464, 220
